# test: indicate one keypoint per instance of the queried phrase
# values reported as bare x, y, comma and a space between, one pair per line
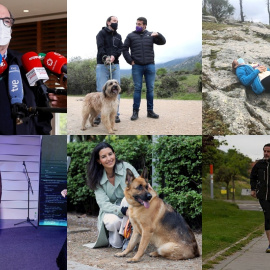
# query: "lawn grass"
224, 224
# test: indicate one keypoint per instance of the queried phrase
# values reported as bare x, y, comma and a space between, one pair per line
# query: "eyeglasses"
8, 21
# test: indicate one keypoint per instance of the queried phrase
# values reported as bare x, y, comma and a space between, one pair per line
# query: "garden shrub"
178, 172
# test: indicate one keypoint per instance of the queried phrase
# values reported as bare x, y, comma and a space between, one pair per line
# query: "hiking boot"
97, 120
117, 119
135, 115
151, 114
268, 249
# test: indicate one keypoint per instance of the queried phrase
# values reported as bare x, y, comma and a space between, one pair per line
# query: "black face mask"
114, 26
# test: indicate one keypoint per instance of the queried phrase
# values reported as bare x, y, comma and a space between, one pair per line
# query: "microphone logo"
49, 62
15, 84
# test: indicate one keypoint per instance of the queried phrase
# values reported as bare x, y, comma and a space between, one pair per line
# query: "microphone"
3, 64
15, 89
33, 66
36, 73
55, 62
23, 163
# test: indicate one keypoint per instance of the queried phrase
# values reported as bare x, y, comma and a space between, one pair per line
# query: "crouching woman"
106, 176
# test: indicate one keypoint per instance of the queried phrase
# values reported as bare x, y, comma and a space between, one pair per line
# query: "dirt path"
84, 230
176, 117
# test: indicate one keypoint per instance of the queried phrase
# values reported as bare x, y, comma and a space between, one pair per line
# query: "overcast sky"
249, 145
254, 10
180, 22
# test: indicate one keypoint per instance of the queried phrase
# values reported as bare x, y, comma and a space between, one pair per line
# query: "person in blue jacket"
255, 75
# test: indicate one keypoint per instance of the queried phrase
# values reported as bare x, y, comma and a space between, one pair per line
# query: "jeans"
149, 73
103, 75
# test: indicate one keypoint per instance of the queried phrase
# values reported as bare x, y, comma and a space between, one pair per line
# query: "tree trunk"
233, 198
241, 11
227, 191
268, 9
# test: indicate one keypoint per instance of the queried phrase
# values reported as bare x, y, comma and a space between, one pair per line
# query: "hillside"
186, 63
229, 107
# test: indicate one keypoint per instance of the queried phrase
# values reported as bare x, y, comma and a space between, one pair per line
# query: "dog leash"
108, 63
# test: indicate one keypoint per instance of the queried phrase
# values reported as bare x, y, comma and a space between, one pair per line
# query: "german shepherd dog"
156, 222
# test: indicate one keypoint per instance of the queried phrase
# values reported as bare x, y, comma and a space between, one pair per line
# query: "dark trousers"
265, 204
266, 83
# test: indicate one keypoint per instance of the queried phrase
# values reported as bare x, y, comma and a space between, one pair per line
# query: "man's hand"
253, 193
132, 63
58, 101
112, 58
154, 34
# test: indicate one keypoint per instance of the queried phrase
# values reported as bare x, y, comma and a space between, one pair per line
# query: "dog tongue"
146, 204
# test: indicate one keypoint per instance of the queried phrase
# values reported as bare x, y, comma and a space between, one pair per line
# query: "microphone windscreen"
31, 60
54, 62
15, 86
3, 65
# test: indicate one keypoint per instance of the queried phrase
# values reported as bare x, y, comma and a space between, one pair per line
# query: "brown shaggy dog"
156, 222
104, 103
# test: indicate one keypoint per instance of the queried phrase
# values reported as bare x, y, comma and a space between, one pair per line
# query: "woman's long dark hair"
94, 169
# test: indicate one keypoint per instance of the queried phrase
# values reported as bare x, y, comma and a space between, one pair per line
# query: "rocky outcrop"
241, 110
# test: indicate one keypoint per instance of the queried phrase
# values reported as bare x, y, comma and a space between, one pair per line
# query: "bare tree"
268, 9
241, 10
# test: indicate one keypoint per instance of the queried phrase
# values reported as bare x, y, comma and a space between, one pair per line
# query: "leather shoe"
135, 115
97, 120
151, 114
117, 119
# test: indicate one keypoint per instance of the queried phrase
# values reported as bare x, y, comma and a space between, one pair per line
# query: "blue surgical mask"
240, 61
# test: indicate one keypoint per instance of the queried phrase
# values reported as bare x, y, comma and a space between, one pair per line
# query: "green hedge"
178, 172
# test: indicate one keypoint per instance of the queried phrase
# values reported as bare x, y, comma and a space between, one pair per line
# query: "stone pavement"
252, 256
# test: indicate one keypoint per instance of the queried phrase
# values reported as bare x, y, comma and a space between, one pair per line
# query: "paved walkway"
251, 257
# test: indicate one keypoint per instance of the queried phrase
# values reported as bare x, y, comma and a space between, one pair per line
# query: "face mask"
240, 61
5, 34
114, 26
139, 28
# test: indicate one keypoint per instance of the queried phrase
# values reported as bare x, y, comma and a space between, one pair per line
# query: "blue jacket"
249, 77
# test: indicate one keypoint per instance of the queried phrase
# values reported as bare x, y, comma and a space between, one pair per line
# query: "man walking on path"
142, 58
260, 187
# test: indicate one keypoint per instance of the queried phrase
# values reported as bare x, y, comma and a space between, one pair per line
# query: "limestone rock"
241, 109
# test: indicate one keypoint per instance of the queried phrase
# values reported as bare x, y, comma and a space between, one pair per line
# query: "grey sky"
249, 145
180, 22
254, 10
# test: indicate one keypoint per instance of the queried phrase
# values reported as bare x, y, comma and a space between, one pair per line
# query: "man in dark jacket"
109, 45
142, 58
34, 125
260, 187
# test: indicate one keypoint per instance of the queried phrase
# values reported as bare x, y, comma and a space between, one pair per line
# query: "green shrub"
169, 85
178, 172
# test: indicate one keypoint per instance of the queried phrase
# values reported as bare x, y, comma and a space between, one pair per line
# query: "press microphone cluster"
36, 75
